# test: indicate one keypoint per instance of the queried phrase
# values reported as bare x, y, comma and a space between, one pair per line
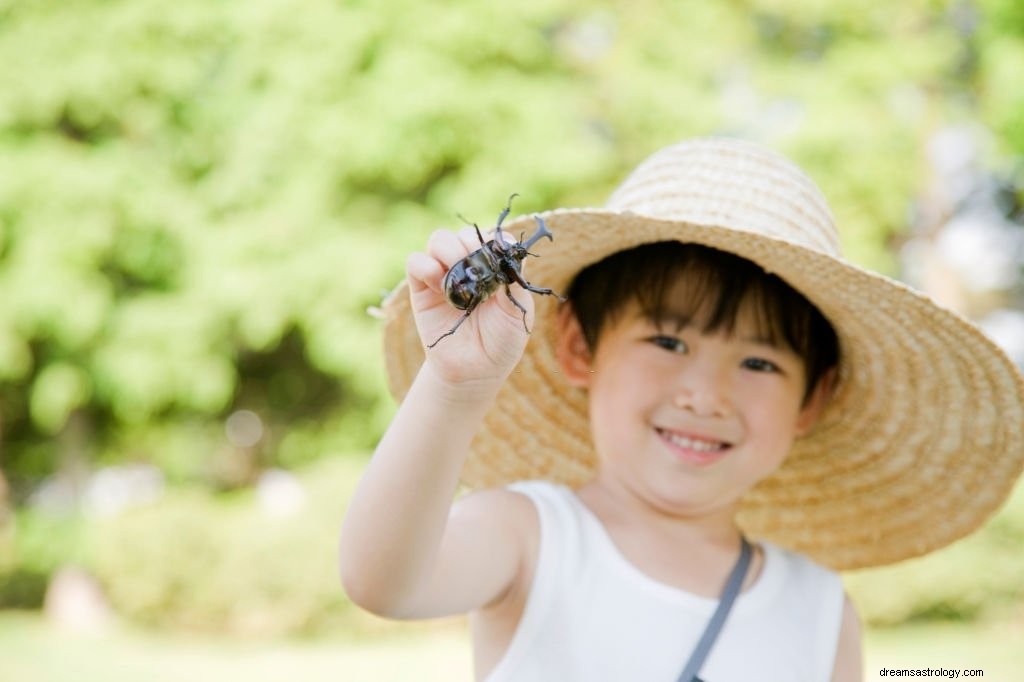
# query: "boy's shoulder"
799, 582
503, 508
537, 487
796, 566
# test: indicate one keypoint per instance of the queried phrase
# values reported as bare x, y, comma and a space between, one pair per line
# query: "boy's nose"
702, 392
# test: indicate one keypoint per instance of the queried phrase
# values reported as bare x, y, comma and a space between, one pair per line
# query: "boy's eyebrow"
679, 321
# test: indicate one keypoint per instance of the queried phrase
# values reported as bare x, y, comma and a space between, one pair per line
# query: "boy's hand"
487, 345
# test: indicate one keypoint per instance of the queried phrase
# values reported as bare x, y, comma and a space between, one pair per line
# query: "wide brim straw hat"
922, 440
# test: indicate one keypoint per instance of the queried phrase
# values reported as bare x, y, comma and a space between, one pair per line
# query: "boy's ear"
817, 401
574, 357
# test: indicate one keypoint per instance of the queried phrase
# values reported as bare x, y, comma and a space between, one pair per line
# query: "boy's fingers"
470, 240
447, 247
425, 272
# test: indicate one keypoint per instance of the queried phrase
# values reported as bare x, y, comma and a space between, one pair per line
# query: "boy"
690, 398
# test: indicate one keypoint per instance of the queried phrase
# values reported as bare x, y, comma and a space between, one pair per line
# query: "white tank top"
592, 616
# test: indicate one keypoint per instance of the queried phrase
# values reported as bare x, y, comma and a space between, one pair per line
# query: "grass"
32, 651
996, 649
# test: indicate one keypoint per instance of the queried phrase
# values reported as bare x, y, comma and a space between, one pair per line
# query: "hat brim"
920, 444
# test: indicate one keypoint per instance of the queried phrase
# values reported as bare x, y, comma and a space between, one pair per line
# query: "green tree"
199, 201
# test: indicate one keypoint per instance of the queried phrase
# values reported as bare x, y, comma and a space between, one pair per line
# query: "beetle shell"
470, 281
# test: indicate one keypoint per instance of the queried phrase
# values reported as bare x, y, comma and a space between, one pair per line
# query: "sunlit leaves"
183, 186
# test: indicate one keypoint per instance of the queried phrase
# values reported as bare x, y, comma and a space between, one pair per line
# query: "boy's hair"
719, 284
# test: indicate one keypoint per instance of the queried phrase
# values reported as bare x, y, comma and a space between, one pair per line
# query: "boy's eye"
669, 343
760, 365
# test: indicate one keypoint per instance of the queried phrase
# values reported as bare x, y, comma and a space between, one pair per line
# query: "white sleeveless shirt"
592, 616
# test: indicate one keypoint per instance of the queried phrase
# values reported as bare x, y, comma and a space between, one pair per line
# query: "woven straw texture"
922, 441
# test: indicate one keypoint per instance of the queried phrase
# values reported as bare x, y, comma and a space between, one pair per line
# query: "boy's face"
690, 421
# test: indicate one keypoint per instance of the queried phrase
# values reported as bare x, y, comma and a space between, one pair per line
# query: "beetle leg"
452, 330
537, 290
494, 258
475, 226
508, 292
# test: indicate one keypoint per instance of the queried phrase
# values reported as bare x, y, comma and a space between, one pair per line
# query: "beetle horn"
506, 211
542, 231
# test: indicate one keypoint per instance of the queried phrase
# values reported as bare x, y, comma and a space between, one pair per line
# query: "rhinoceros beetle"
496, 263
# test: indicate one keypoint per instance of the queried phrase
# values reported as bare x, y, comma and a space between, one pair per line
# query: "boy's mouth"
694, 448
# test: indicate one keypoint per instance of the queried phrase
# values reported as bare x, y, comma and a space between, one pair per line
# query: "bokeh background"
200, 201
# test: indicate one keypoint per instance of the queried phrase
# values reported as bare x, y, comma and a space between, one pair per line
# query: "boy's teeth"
692, 444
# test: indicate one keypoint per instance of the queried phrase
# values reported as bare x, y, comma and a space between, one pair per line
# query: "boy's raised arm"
401, 553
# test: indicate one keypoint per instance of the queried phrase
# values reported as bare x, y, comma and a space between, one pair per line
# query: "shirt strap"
714, 627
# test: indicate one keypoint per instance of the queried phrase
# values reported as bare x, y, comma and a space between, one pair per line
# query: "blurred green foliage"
38, 546
978, 577
199, 201
198, 561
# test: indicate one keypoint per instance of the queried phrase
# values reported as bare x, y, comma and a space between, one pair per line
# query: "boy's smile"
685, 419
694, 449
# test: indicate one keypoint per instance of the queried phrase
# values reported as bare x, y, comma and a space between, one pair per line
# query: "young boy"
717, 372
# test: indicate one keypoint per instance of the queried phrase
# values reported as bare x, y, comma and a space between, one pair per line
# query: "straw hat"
920, 444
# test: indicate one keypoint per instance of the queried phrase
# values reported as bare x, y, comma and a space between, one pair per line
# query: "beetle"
472, 280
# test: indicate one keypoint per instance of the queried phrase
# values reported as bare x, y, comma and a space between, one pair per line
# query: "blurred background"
200, 201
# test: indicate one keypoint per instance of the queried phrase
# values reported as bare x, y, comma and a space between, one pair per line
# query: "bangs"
690, 284
712, 293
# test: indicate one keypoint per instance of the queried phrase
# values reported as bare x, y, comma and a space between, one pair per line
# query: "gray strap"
729, 594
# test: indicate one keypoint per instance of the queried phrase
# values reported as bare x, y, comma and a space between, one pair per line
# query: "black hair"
719, 284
